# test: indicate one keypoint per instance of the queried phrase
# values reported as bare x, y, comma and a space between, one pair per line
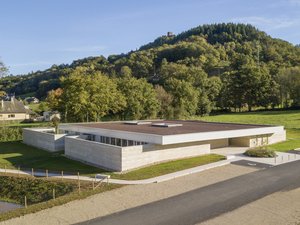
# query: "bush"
260, 152
10, 134
36, 190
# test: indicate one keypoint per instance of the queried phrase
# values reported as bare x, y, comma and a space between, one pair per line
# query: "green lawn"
168, 167
34, 107
13, 154
289, 119
24, 125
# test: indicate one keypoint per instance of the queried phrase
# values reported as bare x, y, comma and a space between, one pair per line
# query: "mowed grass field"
289, 119
14, 154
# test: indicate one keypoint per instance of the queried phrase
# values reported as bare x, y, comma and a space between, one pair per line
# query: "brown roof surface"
187, 127
12, 106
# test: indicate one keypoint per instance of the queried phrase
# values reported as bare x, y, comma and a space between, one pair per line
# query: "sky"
35, 34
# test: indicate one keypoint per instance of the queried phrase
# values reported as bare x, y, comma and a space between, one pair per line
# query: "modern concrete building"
121, 146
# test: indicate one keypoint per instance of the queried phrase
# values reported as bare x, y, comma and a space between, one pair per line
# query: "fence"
90, 182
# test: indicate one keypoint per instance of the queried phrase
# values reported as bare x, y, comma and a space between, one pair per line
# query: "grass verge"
14, 154
86, 190
167, 167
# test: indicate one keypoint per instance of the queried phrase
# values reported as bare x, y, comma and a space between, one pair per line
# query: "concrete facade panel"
138, 156
94, 153
40, 139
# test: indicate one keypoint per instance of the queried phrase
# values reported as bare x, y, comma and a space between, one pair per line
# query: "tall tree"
3, 69
89, 96
186, 97
165, 99
141, 100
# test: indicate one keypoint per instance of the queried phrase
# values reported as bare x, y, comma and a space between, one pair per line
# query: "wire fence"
36, 172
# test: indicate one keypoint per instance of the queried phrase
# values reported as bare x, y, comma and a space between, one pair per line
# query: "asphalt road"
210, 201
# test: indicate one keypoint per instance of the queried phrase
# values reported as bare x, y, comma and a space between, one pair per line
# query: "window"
11, 116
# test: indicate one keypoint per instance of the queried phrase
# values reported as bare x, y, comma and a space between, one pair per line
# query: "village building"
11, 109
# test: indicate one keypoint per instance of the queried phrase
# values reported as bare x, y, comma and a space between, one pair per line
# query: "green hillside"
218, 66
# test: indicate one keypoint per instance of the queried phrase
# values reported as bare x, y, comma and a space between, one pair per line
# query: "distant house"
12, 109
49, 115
31, 100
170, 34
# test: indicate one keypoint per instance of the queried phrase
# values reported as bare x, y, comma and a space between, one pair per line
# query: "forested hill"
226, 57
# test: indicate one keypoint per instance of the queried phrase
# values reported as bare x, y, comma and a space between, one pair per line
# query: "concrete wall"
138, 156
38, 137
125, 158
94, 153
259, 140
220, 143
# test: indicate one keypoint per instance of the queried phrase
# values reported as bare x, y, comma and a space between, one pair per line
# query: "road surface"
208, 202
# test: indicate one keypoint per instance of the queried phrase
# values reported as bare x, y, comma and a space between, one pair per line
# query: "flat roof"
188, 126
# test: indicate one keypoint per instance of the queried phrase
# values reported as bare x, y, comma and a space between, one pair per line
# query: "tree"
3, 69
208, 95
54, 100
2, 94
141, 100
289, 81
89, 95
165, 99
186, 97
55, 122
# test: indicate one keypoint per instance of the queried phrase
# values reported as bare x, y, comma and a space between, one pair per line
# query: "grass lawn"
289, 119
23, 125
167, 167
34, 107
13, 154
39, 193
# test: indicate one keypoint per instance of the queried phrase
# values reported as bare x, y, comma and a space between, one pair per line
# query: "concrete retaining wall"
255, 141
38, 137
125, 158
220, 143
138, 156
94, 153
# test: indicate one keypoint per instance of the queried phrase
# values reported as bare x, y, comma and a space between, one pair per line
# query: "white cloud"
268, 23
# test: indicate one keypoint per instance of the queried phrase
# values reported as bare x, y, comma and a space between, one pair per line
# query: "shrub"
260, 152
10, 134
36, 190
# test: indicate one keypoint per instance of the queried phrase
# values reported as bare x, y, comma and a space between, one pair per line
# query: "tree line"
229, 67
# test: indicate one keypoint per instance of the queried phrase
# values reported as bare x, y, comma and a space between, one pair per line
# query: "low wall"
138, 156
220, 143
118, 158
259, 140
38, 137
94, 153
